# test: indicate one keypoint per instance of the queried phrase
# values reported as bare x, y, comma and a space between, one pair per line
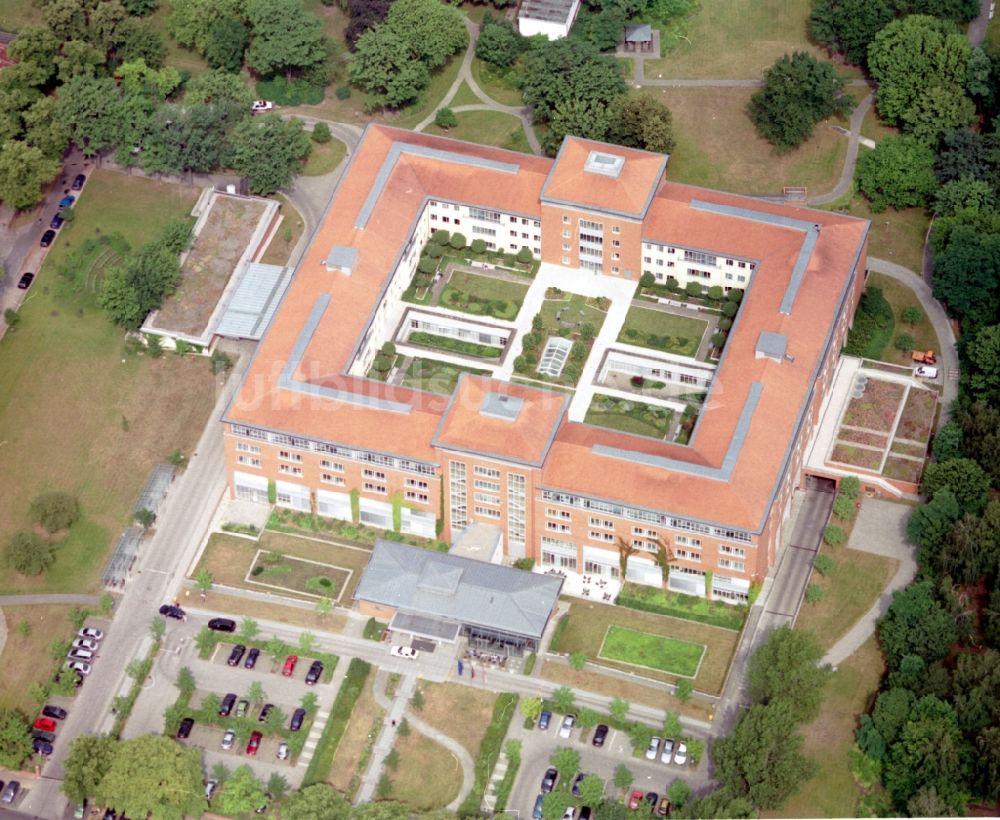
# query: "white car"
261, 105
569, 813
210, 788
283, 751
79, 666
228, 740
926, 372
668, 750
90, 632
653, 748
566, 729
81, 655
682, 754
85, 643
404, 652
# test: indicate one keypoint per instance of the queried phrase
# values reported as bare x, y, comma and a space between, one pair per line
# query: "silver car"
653, 748
91, 632
668, 750
81, 655
85, 643
283, 751
228, 740
567, 726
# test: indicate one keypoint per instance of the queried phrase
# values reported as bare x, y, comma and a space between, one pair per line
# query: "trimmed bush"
647, 280
434, 251
524, 563
850, 487
814, 593
478, 246
834, 535
843, 507
903, 342
344, 92
718, 339
321, 133
725, 323
823, 564
872, 327
524, 256
693, 288
427, 265
440, 237
445, 118
457, 241
730, 309
715, 293
735, 295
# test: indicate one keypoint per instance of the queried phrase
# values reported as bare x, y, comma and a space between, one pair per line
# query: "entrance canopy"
425, 627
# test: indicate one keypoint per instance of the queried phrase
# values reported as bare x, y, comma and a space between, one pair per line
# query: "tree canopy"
916, 624
15, 738
898, 172
787, 667
90, 758
267, 151
285, 38
963, 476
849, 26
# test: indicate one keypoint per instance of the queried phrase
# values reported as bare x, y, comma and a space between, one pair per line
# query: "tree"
203, 581
433, 31
611, 810
277, 786
36, 45
976, 697
762, 758
139, 284
641, 121
145, 519
276, 648
24, 169
587, 718
898, 172
153, 774
445, 118
576, 118
672, 725
963, 476
241, 793
317, 802
966, 269
640, 735
324, 606
286, 38
15, 738
938, 109
554, 804
947, 441
89, 759
591, 790
798, 92
679, 793
78, 59
498, 42
566, 761
28, 554
563, 700
140, 40
204, 640
930, 523
988, 761
157, 629
561, 71
531, 708
720, 803
383, 67
307, 642
320, 133
267, 151
578, 660
622, 777
248, 629
66, 19
226, 44
848, 26
983, 355
786, 667
54, 510
220, 88
915, 624
365, 14
619, 709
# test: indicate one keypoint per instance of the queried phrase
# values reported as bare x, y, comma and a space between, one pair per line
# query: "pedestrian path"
395, 710
323, 714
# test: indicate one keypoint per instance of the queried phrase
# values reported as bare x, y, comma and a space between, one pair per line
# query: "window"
727, 563
287, 456
739, 552
587, 225
565, 247
567, 233
602, 522
487, 498
479, 229
592, 238
413, 496
729, 262
700, 258
248, 461
552, 512
555, 526
489, 472
588, 251
615, 243
483, 214
376, 474
566, 220
493, 486
614, 268
332, 465
615, 229
414, 482
487, 512
565, 260
288, 469
686, 541
741, 279
371, 487
458, 494
516, 506
330, 478
607, 537
243, 447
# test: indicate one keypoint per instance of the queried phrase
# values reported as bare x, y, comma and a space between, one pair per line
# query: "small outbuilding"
553, 18
639, 38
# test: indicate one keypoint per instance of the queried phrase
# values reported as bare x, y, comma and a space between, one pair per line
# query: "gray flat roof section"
432, 584
551, 11
155, 490
425, 627
252, 306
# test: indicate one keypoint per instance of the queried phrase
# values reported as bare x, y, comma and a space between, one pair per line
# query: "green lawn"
17, 13
894, 235
428, 777
177, 56
435, 376
900, 297
486, 128
659, 330
324, 157
629, 416
502, 85
654, 651
79, 414
464, 96
483, 295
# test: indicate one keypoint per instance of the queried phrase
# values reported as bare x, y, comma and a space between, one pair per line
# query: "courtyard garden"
627, 416
652, 651
301, 575
569, 316
660, 330
450, 344
875, 409
337, 530
483, 295
435, 376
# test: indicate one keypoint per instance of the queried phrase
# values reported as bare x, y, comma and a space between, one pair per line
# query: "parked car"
544, 718
668, 750
80, 810
222, 624
315, 673
652, 798
67, 201
566, 729
91, 632
926, 372
570, 813
42, 747
57, 222
600, 734
268, 797
45, 724
549, 780
635, 798
184, 730
283, 751
210, 788
56, 712
584, 813
261, 105
26, 279
242, 708
289, 668
236, 655
653, 748
264, 712
47, 737
576, 784
298, 716
110, 814
79, 666
85, 643
536, 812
226, 707
175, 612
80, 655
254, 743
681, 755
78, 181
252, 656
404, 652
10, 792
663, 809
47, 238
228, 740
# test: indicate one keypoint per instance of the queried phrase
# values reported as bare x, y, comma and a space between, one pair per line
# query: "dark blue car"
57, 222
544, 719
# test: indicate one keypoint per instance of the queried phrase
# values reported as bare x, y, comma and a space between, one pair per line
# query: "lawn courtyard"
435, 376
652, 651
659, 330
483, 295
628, 416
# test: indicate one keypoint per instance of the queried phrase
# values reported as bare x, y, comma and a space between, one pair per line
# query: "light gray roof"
499, 406
639, 34
463, 590
552, 11
342, 257
254, 301
772, 345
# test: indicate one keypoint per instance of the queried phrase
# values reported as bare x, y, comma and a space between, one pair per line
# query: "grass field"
588, 624
470, 293
629, 416
428, 777
486, 128
832, 791
718, 146
464, 96
297, 575
25, 660
646, 328
280, 250
17, 13
900, 297
177, 56
443, 701
76, 413
324, 157
499, 84
234, 606
352, 746
435, 376
654, 651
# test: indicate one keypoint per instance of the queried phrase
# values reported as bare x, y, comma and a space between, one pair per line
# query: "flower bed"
907, 449
862, 437
918, 415
459, 346
903, 469
857, 456
876, 409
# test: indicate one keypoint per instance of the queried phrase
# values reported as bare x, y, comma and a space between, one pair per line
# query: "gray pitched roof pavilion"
463, 590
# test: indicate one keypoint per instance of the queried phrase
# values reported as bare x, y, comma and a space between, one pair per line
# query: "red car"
635, 799
289, 667
254, 744
45, 724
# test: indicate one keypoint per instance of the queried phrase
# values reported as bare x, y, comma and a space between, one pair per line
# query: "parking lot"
538, 746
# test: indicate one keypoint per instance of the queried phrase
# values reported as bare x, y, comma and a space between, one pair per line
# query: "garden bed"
435, 376
857, 456
652, 651
918, 415
483, 295
334, 529
279, 571
420, 338
876, 408
903, 469
629, 416
568, 316
862, 437
677, 605
906, 449
659, 330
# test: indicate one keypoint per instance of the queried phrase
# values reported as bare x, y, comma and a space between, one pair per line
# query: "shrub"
478, 246
524, 256
445, 118
12, 318
647, 280
684, 690
524, 563
912, 315
457, 241
730, 308
344, 92
389, 349
718, 339
834, 535
27, 554
321, 133
872, 327
814, 593
440, 237
434, 251
823, 563
725, 323
55, 511
693, 288
578, 660
843, 507
903, 342
220, 362
850, 487
715, 293
427, 264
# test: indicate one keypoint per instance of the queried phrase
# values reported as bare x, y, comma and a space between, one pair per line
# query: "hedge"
340, 715
506, 785
873, 326
489, 751
688, 607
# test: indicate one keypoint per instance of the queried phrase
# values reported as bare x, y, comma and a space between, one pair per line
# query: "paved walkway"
880, 529
461, 755
395, 710
845, 183
977, 28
